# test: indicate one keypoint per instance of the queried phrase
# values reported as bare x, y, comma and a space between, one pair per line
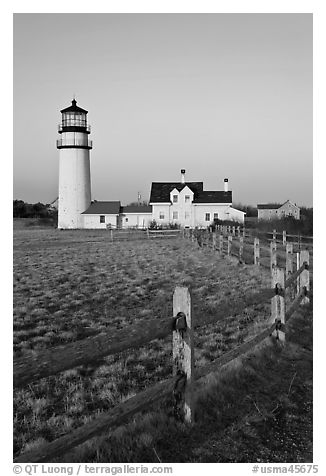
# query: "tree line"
22, 209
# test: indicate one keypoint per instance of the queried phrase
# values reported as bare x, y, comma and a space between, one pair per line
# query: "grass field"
71, 284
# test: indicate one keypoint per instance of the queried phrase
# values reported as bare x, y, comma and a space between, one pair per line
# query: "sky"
220, 95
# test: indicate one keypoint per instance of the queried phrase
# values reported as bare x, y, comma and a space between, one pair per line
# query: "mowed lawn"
72, 284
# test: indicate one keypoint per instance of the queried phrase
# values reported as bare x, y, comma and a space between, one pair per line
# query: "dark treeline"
250, 210
43, 212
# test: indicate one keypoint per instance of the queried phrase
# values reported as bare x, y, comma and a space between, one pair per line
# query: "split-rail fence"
181, 385
251, 247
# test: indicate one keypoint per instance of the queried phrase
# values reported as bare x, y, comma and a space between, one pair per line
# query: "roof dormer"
174, 196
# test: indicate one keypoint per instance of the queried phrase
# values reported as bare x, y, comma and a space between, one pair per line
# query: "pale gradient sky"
221, 95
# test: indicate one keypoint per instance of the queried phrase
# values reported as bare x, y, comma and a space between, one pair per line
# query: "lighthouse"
74, 167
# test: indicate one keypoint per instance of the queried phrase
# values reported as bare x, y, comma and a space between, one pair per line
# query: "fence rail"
182, 384
236, 242
117, 234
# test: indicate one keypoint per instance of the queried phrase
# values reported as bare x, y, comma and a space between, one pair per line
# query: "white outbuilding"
272, 211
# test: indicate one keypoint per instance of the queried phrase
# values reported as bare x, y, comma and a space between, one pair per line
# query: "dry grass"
68, 285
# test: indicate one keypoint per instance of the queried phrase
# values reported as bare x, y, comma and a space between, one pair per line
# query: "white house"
272, 211
189, 205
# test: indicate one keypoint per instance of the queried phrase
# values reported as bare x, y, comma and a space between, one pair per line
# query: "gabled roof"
214, 197
74, 108
274, 206
103, 208
160, 191
137, 209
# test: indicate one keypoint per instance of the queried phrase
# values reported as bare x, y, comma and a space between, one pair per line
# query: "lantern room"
74, 119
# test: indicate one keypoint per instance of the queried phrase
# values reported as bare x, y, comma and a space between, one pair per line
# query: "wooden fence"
181, 385
141, 234
236, 242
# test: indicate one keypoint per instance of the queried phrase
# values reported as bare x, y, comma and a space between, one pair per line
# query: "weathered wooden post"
229, 244
214, 241
289, 264
273, 254
274, 235
278, 303
241, 249
183, 355
243, 231
303, 279
111, 234
238, 230
284, 237
221, 239
148, 233
256, 252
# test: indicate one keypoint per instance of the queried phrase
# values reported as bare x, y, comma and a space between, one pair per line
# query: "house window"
175, 215
161, 216
187, 215
215, 216
175, 198
207, 217
187, 198
102, 218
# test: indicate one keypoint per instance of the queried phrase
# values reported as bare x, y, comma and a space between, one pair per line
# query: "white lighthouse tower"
74, 167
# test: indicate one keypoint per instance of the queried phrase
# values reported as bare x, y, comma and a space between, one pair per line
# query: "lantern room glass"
75, 119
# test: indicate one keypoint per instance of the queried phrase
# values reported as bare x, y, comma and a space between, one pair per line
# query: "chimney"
183, 176
226, 185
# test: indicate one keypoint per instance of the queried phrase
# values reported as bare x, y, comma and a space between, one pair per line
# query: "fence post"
111, 234
229, 244
214, 241
284, 237
243, 231
238, 230
233, 230
256, 252
303, 279
273, 254
221, 245
183, 355
289, 264
278, 303
148, 233
241, 249
274, 235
